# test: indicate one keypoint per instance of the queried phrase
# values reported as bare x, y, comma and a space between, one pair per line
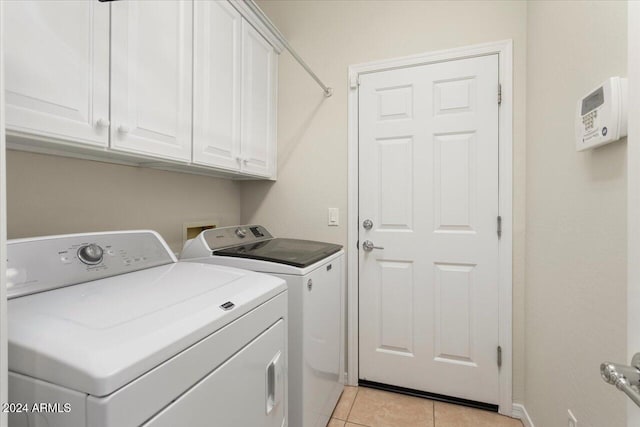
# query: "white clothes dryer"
108, 330
315, 279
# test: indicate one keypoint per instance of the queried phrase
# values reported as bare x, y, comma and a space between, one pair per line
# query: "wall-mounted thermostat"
601, 116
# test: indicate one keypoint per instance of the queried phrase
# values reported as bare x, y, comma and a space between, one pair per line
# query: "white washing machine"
315, 279
108, 330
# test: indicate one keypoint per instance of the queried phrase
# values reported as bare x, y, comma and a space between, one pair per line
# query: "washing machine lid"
298, 253
95, 337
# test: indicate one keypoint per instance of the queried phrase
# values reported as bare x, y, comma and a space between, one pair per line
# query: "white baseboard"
520, 412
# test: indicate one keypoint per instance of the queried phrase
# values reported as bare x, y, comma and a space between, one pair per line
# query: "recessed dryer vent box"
190, 230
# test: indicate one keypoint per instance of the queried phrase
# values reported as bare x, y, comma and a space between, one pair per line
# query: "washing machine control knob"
90, 254
241, 232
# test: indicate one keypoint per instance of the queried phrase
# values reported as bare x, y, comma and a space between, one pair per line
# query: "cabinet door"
258, 103
216, 80
57, 69
151, 78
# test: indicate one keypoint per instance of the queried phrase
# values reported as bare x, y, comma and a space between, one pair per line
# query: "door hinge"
499, 94
354, 81
499, 356
499, 226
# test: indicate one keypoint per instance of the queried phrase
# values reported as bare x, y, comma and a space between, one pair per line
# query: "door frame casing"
633, 195
504, 50
4, 374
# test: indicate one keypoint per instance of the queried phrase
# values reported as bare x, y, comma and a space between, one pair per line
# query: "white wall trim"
4, 375
505, 51
520, 412
633, 195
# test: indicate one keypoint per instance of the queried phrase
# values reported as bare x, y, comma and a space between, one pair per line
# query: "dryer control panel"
45, 263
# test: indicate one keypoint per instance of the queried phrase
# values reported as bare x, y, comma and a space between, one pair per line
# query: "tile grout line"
434, 415
352, 404
334, 409
433, 406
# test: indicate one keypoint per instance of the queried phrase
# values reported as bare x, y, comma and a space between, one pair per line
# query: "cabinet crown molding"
251, 18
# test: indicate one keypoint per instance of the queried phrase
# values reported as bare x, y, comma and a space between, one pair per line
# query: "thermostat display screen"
594, 100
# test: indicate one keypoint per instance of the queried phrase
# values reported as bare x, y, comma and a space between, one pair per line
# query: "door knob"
368, 246
367, 224
625, 378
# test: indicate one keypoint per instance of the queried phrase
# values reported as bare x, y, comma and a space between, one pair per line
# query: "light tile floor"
361, 406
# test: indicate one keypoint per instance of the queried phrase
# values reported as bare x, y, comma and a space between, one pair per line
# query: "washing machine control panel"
224, 237
45, 263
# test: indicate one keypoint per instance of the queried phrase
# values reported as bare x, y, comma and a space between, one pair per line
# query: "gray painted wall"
57, 195
576, 218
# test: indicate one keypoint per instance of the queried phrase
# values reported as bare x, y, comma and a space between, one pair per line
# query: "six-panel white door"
258, 103
57, 69
216, 84
428, 177
151, 65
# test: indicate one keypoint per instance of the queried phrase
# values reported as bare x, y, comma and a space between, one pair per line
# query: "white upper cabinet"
182, 84
234, 92
259, 69
216, 83
151, 64
57, 70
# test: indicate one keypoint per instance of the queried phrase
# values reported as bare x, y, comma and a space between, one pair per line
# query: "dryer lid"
98, 336
298, 253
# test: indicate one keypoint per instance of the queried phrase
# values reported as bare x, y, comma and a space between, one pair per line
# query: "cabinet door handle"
102, 123
123, 129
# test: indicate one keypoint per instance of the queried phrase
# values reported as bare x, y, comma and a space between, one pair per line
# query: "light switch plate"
333, 217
